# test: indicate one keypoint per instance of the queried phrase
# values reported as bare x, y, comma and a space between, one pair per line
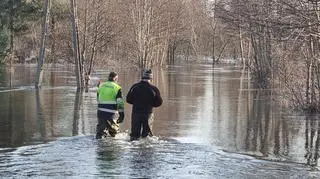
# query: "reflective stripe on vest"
107, 102
108, 110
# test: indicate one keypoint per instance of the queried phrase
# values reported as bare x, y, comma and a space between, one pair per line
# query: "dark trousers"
105, 122
141, 125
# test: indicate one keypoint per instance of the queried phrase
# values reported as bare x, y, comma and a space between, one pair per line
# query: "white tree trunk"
42, 43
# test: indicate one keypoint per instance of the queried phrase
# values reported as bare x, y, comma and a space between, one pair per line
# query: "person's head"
113, 76
146, 75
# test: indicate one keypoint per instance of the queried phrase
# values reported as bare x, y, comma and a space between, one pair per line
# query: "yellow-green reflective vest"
107, 93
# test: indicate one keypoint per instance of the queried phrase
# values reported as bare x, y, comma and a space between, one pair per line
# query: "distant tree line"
277, 41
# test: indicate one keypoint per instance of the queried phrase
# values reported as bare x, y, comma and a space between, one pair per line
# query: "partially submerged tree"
276, 40
43, 42
284, 38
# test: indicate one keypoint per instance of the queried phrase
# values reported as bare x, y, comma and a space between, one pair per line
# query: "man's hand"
121, 117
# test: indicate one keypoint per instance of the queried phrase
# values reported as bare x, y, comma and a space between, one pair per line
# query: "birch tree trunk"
43, 43
11, 39
75, 42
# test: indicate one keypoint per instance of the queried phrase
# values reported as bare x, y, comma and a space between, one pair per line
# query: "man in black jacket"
143, 96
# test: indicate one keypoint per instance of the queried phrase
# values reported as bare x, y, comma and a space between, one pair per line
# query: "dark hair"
112, 75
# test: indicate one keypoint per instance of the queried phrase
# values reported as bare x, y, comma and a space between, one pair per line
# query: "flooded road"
212, 125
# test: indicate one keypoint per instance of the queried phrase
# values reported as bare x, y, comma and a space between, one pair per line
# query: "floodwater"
212, 124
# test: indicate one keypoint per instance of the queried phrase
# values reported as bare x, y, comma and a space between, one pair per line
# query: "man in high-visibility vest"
110, 103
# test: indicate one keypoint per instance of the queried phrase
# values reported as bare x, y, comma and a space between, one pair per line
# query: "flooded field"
212, 125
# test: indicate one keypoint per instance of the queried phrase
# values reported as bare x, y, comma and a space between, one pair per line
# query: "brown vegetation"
277, 40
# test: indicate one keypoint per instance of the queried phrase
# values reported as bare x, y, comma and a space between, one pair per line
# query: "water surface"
212, 125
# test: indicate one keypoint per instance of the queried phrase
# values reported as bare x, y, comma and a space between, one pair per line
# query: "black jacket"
144, 96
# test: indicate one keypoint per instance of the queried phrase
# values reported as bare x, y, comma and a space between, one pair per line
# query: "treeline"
276, 40
15, 18
142, 32
279, 42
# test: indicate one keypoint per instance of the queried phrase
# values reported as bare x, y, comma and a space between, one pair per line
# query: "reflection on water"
312, 134
212, 124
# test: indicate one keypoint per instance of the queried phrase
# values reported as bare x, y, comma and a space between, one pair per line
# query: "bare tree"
43, 42
75, 43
